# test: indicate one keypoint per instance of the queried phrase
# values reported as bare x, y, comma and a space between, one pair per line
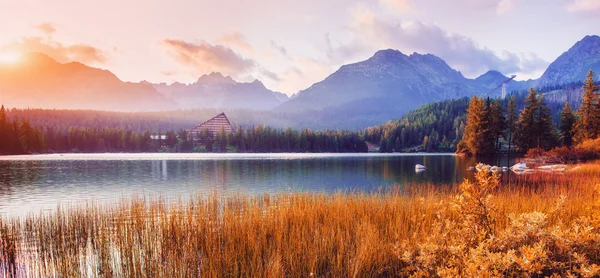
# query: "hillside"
438, 126
573, 65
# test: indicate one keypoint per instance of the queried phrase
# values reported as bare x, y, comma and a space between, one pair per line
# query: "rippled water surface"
40, 182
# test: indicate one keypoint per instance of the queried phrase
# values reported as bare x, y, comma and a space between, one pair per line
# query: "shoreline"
202, 156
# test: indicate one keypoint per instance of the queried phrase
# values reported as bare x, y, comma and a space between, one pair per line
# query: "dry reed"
527, 225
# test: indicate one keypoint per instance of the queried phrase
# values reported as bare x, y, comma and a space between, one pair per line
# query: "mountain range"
383, 87
217, 91
41, 82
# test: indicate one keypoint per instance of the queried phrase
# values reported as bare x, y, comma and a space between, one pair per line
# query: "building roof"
215, 124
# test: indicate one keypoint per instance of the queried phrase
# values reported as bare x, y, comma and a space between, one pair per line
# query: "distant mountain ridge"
573, 65
383, 87
393, 83
217, 91
41, 82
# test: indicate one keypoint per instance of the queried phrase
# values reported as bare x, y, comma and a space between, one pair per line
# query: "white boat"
519, 167
420, 167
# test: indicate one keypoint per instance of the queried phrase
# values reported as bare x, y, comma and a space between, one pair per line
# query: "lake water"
31, 183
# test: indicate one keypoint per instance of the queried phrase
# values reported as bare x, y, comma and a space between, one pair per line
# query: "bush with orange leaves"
464, 241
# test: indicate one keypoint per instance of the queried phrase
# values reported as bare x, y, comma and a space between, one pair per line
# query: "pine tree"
524, 134
397, 145
497, 122
511, 121
476, 130
535, 128
567, 121
588, 122
545, 131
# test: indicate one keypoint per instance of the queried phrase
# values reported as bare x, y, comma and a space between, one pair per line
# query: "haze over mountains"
217, 91
41, 82
383, 87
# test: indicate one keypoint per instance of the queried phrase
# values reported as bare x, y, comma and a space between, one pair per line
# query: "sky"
290, 44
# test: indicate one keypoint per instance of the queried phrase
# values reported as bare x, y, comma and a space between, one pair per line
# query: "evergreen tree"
546, 131
397, 145
511, 121
535, 128
567, 122
524, 134
588, 122
474, 139
497, 122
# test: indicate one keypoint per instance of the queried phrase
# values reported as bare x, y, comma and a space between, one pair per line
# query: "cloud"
282, 50
236, 40
204, 57
586, 6
46, 28
83, 53
271, 75
400, 6
372, 33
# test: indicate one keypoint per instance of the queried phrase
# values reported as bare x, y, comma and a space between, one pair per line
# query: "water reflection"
31, 183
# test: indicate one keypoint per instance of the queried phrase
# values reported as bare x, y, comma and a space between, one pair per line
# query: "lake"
30, 183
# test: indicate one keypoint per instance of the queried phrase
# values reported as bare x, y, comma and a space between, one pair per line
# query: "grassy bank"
536, 224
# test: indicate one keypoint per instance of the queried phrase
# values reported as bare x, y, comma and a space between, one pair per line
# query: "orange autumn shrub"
469, 245
585, 151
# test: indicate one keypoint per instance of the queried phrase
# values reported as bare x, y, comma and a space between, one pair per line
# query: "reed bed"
540, 224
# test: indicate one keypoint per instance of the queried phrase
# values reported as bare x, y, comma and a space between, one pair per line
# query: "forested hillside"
439, 126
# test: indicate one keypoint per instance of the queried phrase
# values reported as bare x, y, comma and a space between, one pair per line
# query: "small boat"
522, 166
504, 169
420, 167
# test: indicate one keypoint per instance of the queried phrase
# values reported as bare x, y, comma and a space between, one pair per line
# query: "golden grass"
538, 225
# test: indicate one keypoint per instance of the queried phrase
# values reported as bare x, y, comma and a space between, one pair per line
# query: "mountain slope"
493, 79
39, 81
573, 65
217, 91
385, 86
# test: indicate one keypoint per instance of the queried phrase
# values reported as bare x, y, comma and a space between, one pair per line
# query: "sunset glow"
290, 45
9, 58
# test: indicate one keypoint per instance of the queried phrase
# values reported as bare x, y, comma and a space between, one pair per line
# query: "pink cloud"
46, 28
83, 53
205, 57
236, 40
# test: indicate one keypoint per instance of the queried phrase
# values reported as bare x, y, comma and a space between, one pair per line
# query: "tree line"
488, 122
19, 136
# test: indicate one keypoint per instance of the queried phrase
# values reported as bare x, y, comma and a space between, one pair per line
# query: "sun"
9, 58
